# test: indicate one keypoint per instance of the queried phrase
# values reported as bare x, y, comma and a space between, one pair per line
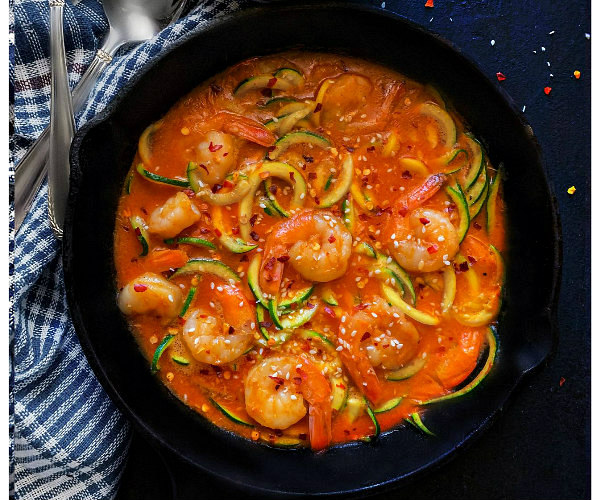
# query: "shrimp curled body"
151, 293
277, 390
177, 213
317, 244
378, 336
210, 338
422, 239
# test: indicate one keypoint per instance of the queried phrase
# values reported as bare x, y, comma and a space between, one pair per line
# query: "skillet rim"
548, 314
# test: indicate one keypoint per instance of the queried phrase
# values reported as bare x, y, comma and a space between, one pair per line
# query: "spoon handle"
30, 171
62, 124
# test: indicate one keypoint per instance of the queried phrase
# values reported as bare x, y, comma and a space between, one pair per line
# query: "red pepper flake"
213, 148
308, 159
363, 217
547, 90
340, 385
292, 177
189, 193
370, 149
424, 220
273, 189
138, 231
144, 211
432, 249
271, 148
204, 230
577, 74
310, 305
476, 225
302, 436
138, 287
181, 320
218, 233
235, 230
463, 267
365, 336
270, 263
225, 154
283, 259
254, 236
271, 82
244, 258
349, 149
253, 219
561, 381
216, 188
203, 371
231, 330
204, 167
312, 176
406, 175
278, 380
329, 311
297, 380
318, 107
429, 3
267, 92
360, 307
331, 239
471, 259
265, 324
227, 184
500, 76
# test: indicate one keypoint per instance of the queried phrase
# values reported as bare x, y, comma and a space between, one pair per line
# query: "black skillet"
101, 155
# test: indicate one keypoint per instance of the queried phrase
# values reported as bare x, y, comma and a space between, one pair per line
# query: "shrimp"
317, 244
422, 239
347, 98
151, 293
216, 152
276, 391
378, 336
177, 213
210, 338
216, 156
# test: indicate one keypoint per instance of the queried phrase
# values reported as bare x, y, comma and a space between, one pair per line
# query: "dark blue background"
539, 447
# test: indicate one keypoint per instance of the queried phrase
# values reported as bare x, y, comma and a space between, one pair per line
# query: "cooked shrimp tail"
422, 193
316, 390
245, 127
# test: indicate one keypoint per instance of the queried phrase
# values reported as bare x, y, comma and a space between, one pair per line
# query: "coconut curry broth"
372, 212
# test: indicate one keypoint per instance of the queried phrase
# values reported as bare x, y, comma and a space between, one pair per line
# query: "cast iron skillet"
101, 155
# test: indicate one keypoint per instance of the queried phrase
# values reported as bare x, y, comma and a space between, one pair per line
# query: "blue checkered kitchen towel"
68, 440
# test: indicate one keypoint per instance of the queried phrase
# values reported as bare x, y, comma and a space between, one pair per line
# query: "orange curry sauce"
397, 135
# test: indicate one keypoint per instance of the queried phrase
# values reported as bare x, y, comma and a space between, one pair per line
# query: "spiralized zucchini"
280, 170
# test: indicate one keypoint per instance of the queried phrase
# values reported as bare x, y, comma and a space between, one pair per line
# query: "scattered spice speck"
383, 5
501, 77
588, 36
492, 42
577, 74
429, 3
524, 108
561, 381
547, 90
571, 190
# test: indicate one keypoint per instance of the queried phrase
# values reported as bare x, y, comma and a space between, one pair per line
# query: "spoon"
130, 21
62, 124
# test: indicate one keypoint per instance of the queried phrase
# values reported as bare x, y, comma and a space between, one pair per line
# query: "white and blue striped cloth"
68, 440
